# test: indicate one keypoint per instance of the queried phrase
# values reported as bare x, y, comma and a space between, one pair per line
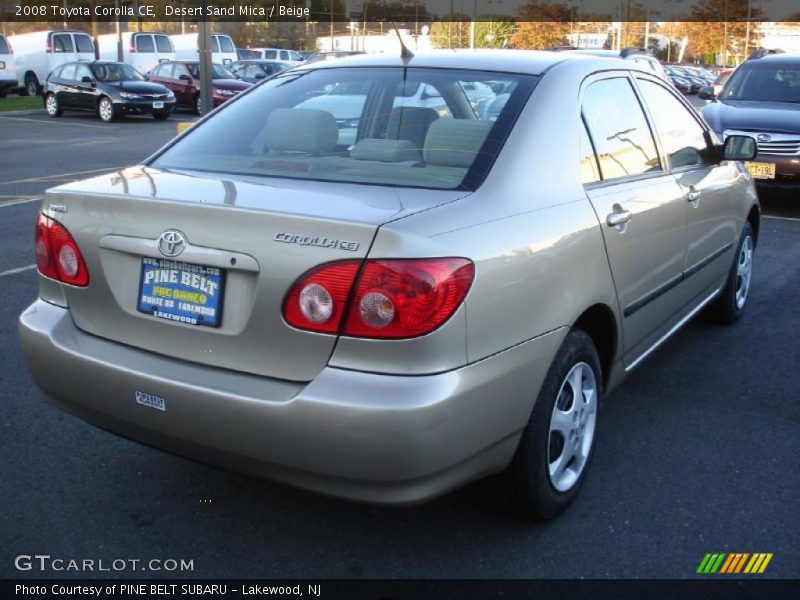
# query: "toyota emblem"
763, 137
171, 243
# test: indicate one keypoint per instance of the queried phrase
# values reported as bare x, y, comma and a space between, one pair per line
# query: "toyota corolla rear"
226, 300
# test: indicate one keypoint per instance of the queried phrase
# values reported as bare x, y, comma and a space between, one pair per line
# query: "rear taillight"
57, 255
132, 48
387, 299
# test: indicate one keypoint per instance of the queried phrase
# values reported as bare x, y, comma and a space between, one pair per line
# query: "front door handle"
618, 217
693, 195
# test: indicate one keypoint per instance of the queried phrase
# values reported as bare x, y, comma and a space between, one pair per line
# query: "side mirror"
739, 147
87, 79
184, 77
707, 93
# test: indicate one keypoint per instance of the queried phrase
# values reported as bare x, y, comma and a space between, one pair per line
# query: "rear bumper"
375, 438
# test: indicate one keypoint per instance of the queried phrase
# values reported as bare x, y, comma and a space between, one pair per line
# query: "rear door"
84, 47
85, 91
144, 56
64, 85
641, 209
63, 51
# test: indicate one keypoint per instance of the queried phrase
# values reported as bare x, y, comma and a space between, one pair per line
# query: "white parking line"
781, 218
16, 202
19, 270
59, 176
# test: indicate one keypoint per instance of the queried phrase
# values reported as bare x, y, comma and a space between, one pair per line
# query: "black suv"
762, 99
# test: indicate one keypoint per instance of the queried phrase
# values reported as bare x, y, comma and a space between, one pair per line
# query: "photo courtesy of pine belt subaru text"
380, 278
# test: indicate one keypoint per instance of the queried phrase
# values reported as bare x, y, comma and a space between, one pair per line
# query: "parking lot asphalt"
697, 451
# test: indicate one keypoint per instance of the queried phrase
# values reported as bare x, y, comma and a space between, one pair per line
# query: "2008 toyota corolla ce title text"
486, 266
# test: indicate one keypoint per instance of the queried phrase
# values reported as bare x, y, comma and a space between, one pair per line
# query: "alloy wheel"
572, 427
744, 271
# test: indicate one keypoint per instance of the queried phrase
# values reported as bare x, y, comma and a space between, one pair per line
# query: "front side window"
116, 72
179, 70
84, 43
82, 71
144, 43
358, 125
63, 43
681, 135
68, 72
270, 54
619, 130
164, 71
217, 71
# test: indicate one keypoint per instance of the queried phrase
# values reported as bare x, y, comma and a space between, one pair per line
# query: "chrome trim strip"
674, 328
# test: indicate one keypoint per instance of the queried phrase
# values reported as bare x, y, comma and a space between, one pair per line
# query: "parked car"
637, 55
680, 83
187, 47
110, 89
253, 71
183, 78
141, 50
696, 82
36, 54
762, 99
8, 74
388, 321
279, 54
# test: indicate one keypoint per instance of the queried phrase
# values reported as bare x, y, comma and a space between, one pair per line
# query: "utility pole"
206, 67
747, 33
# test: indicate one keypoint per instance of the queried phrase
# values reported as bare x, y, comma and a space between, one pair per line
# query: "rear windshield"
163, 44
84, 43
4, 49
144, 43
764, 82
431, 128
225, 43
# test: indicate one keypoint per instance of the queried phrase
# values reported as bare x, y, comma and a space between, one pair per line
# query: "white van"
281, 54
8, 76
141, 50
223, 51
38, 53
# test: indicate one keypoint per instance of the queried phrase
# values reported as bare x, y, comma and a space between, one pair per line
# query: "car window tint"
62, 43
84, 43
588, 161
270, 54
163, 44
144, 43
618, 127
214, 44
164, 71
179, 70
68, 72
225, 44
82, 71
681, 135
4, 49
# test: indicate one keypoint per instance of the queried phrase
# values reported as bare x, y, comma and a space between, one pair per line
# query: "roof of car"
793, 57
531, 62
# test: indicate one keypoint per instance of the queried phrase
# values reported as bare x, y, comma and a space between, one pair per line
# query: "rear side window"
4, 49
144, 43
590, 172
84, 43
164, 71
681, 135
163, 44
618, 127
270, 54
63, 43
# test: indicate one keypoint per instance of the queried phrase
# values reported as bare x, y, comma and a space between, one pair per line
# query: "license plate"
761, 170
158, 105
181, 292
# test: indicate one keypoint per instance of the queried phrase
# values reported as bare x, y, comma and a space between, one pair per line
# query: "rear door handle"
618, 218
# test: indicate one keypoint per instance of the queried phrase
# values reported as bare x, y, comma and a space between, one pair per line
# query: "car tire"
730, 304
51, 105
31, 85
549, 466
161, 115
105, 109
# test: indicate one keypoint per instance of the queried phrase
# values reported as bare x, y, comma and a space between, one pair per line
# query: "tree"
542, 24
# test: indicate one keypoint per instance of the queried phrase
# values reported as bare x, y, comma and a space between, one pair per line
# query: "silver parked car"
446, 295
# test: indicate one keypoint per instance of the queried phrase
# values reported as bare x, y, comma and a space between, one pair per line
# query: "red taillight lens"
57, 255
392, 299
407, 298
317, 301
